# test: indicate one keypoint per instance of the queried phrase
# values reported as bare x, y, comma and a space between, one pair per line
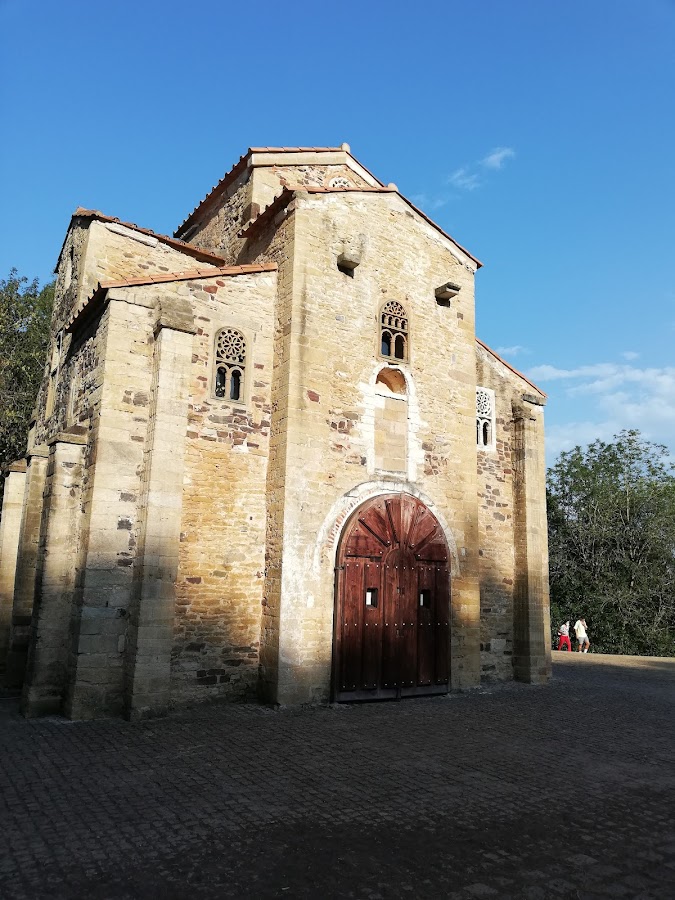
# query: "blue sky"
539, 134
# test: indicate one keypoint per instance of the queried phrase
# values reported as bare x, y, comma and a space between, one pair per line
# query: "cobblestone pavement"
560, 791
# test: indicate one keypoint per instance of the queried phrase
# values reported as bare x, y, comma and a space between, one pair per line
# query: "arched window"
230, 364
394, 331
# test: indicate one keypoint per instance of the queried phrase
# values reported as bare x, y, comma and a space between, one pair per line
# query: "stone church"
271, 458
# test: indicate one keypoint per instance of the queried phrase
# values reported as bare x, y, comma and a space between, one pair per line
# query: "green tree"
611, 521
25, 314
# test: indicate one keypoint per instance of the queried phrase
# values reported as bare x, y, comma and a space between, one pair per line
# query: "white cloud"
601, 378
511, 351
427, 202
469, 177
630, 355
464, 179
496, 158
571, 434
611, 397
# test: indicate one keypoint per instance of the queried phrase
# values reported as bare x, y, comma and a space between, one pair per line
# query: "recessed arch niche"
391, 420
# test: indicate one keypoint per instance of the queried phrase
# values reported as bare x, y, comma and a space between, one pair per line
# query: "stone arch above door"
332, 529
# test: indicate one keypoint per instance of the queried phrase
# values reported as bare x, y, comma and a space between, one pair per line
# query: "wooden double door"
392, 617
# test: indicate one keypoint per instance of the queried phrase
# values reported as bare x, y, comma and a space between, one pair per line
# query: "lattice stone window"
230, 364
339, 182
394, 331
485, 418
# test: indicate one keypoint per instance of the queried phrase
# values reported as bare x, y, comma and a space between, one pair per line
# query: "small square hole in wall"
425, 598
346, 270
371, 597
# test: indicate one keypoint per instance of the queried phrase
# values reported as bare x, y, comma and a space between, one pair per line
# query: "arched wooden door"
392, 617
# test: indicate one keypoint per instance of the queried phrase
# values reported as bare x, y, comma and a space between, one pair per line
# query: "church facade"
270, 458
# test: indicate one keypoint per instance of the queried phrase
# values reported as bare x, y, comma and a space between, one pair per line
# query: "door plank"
426, 627
372, 627
389, 677
350, 671
407, 608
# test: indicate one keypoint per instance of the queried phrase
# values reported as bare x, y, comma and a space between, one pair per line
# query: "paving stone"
427, 798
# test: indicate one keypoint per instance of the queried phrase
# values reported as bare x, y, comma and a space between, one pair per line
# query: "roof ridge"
287, 194
191, 249
228, 174
221, 272
509, 366
238, 167
299, 149
185, 275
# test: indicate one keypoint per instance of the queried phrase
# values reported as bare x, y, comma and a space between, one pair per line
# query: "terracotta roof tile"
509, 366
295, 149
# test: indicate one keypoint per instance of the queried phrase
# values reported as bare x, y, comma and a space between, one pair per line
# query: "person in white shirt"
582, 637
564, 637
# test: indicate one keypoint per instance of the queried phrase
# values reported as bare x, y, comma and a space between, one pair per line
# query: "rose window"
230, 364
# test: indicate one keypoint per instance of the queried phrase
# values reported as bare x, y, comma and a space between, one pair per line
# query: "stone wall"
217, 225
501, 518
496, 523
276, 244
219, 591
57, 573
94, 251
327, 364
269, 181
110, 491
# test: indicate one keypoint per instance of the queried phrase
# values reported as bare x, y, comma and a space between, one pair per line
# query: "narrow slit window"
371, 597
221, 381
425, 598
235, 384
230, 365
